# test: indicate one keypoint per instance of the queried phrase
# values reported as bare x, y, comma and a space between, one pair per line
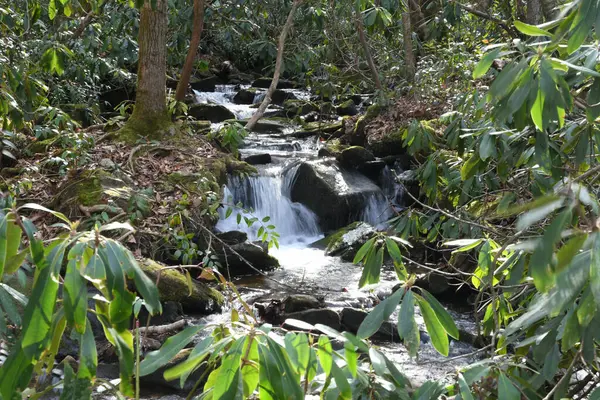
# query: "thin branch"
503, 24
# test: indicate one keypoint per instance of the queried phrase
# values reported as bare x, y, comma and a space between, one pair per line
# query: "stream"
304, 268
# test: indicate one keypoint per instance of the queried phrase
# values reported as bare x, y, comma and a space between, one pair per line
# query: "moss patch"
173, 286
138, 127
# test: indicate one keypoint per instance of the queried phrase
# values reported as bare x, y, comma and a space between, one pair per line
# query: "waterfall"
223, 96
268, 195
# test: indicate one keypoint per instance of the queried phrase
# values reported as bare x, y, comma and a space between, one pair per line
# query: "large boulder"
280, 96
258, 159
245, 96
111, 99
337, 196
389, 144
245, 258
173, 286
265, 83
301, 302
204, 85
355, 157
210, 112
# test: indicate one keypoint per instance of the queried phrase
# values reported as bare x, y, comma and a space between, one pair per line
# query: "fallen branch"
162, 329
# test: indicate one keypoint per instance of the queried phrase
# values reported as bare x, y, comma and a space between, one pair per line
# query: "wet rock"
356, 98
335, 195
171, 312
346, 241
173, 286
210, 112
204, 85
332, 148
269, 125
372, 169
312, 116
235, 259
347, 108
435, 284
322, 316
233, 237
265, 83
352, 318
318, 128
355, 157
258, 159
300, 302
281, 96
295, 108
245, 96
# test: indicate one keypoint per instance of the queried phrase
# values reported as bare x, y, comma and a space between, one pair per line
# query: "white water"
223, 95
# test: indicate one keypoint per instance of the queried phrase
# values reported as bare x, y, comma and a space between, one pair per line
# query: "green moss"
322, 127
42, 146
373, 111
390, 144
137, 126
173, 286
237, 167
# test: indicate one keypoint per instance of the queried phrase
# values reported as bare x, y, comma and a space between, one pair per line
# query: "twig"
565, 376
487, 16
161, 329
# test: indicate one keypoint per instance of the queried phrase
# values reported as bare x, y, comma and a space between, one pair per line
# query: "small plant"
231, 136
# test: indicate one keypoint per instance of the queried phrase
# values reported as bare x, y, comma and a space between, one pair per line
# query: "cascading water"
223, 95
268, 195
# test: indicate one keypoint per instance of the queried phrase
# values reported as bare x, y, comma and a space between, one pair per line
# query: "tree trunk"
534, 12
150, 117
186, 73
279, 61
549, 8
409, 56
365, 45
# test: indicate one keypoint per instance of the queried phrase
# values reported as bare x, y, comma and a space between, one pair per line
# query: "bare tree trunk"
150, 116
198, 25
534, 12
365, 45
520, 10
279, 61
409, 56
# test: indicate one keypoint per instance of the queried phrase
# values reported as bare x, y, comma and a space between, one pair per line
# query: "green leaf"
52, 11
172, 346
378, 315
537, 214
229, 372
443, 316
571, 335
465, 391
469, 168
506, 389
531, 30
372, 268
393, 250
75, 297
37, 207
88, 355
436, 331
595, 267
341, 382
325, 353
464, 244
351, 357
407, 326
250, 374
486, 62
537, 111
364, 250
487, 147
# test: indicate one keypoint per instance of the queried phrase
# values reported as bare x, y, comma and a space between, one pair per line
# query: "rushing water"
304, 267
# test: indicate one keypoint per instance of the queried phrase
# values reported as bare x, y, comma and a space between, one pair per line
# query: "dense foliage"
508, 175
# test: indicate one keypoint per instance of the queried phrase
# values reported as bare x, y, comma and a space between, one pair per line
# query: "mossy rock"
41, 146
295, 108
319, 128
346, 241
355, 157
373, 111
173, 286
90, 188
200, 127
347, 108
332, 148
389, 145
